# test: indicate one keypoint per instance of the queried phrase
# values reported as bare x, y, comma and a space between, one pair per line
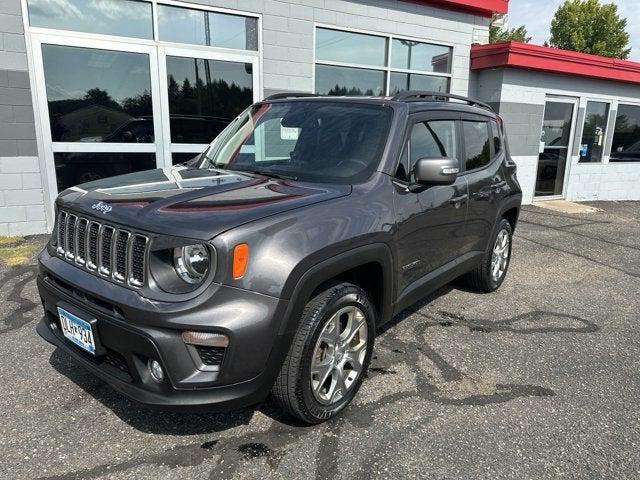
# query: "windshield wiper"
272, 174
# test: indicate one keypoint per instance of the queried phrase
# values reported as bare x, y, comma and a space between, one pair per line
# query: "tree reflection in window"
98, 95
205, 95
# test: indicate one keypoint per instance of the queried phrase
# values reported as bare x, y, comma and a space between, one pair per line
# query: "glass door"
202, 92
555, 150
102, 106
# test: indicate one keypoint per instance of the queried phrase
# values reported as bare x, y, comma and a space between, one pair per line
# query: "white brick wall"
21, 196
288, 33
527, 169
586, 181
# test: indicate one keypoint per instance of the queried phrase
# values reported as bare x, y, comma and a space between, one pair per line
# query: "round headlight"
192, 262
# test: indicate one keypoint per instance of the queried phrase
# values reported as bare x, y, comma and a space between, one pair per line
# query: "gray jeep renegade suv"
266, 264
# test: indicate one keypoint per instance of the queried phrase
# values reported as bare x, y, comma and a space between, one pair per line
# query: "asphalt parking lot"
537, 380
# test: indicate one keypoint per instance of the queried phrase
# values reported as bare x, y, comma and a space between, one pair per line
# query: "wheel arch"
357, 266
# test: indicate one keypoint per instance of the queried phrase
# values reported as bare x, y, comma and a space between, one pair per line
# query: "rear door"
483, 157
430, 223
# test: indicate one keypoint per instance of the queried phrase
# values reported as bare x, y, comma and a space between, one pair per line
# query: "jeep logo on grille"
102, 207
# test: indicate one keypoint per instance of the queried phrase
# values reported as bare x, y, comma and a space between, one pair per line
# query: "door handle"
459, 200
498, 186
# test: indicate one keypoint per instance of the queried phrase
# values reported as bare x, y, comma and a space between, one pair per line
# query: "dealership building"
90, 89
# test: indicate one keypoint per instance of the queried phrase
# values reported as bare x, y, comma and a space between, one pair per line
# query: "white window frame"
157, 51
388, 69
569, 164
50, 148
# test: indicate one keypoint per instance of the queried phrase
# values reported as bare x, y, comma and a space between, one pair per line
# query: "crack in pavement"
17, 318
563, 229
455, 389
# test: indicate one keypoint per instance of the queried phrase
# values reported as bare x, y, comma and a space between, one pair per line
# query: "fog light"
155, 370
206, 339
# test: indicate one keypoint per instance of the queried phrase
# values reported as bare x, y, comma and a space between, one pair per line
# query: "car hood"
192, 202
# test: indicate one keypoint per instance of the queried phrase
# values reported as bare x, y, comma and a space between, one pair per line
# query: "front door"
555, 141
430, 222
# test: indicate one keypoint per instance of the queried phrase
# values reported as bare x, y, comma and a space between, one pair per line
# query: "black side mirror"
436, 171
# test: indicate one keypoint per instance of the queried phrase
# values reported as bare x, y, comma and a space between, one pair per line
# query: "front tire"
489, 275
329, 355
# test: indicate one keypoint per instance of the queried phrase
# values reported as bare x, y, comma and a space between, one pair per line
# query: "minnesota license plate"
77, 330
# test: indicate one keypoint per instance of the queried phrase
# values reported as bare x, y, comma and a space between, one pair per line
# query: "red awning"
546, 59
486, 8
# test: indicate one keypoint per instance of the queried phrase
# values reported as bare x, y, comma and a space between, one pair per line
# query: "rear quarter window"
476, 143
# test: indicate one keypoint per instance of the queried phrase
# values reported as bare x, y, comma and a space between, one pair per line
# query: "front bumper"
132, 330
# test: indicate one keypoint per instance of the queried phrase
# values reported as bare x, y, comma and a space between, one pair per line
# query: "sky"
536, 15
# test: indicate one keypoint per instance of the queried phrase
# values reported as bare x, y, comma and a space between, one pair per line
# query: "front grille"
92, 246
120, 255
111, 251
81, 239
210, 355
106, 242
139, 246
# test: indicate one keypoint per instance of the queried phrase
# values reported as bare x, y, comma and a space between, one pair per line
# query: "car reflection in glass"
81, 167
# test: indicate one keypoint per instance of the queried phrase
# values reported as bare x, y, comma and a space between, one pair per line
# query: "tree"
590, 27
97, 96
497, 32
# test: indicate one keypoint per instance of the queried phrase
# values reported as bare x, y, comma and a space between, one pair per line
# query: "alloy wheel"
339, 355
500, 255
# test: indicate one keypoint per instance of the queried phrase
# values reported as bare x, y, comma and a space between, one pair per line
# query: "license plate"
77, 330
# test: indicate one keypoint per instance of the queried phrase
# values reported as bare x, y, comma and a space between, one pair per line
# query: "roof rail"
280, 96
416, 96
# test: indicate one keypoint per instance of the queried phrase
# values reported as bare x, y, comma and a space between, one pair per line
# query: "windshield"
327, 142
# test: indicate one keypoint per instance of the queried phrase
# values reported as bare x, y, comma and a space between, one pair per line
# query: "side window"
496, 138
476, 142
433, 139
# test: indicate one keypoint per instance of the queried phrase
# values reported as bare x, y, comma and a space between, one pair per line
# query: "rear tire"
329, 355
491, 272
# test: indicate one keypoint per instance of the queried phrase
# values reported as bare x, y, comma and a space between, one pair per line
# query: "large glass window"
594, 132
476, 144
199, 27
412, 81
205, 95
135, 91
626, 136
331, 80
348, 47
128, 18
349, 63
98, 95
425, 57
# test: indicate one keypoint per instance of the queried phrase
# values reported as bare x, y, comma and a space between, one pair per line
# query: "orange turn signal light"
240, 260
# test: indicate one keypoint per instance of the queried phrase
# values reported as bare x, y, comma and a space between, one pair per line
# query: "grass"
15, 251
5, 241
16, 256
